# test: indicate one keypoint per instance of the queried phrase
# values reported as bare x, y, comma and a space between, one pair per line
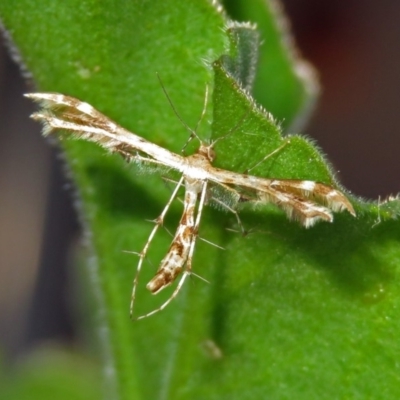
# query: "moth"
302, 200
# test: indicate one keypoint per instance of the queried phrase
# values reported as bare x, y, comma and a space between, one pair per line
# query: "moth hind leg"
170, 298
188, 265
142, 255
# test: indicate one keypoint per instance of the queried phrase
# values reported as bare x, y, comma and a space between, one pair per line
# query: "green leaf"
289, 312
285, 84
52, 374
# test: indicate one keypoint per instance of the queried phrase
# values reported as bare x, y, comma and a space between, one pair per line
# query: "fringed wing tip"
42, 117
310, 218
306, 212
308, 222
39, 97
321, 193
44, 99
341, 203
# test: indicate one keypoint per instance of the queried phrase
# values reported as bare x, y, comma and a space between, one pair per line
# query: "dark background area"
355, 46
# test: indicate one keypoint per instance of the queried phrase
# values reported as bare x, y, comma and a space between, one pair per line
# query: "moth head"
207, 152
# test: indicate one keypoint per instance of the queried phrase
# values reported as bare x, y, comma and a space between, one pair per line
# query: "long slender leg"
277, 150
188, 267
196, 228
234, 212
142, 255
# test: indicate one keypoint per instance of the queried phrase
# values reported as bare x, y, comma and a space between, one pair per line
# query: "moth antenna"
187, 127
